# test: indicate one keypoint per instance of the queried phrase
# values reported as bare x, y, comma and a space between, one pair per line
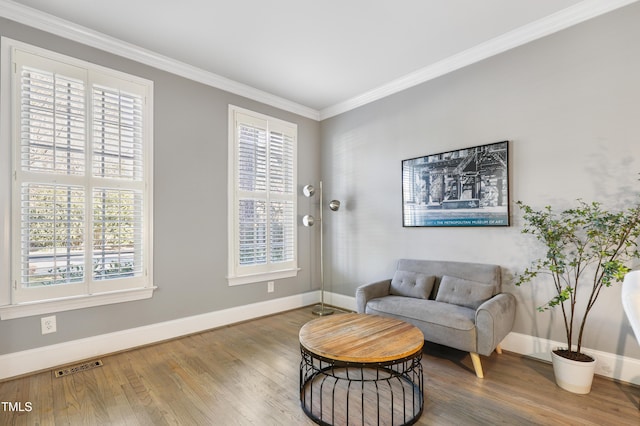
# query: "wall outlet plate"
271, 287
48, 324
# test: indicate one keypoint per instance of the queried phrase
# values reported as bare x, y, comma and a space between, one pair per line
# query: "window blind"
253, 232
117, 134
52, 234
281, 163
281, 236
264, 194
117, 233
52, 122
81, 179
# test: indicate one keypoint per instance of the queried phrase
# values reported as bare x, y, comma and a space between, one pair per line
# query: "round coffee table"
361, 369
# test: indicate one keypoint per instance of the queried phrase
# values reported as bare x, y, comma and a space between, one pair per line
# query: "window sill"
58, 305
265, 276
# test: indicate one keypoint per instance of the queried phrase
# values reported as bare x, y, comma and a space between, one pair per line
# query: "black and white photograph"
466, 187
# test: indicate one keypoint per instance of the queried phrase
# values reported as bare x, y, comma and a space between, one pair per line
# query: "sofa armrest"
366, 292
494, 320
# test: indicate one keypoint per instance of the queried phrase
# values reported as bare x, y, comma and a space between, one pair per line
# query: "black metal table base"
345, 393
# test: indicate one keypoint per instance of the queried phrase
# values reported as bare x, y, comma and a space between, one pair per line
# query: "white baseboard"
610, 365
48, 357
340, 301
18, 363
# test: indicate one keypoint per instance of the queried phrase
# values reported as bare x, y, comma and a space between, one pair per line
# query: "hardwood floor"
247, 374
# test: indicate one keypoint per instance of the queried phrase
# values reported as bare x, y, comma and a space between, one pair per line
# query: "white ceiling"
320, 55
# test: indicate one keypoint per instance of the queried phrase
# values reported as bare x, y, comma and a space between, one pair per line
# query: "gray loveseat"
455, 304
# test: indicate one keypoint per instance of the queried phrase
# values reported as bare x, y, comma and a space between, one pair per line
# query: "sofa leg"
498, 350
477, 365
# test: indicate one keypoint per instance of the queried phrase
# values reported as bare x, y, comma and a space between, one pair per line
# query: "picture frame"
464, 187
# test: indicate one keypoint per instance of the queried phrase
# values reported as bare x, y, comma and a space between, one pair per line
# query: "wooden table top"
361, 338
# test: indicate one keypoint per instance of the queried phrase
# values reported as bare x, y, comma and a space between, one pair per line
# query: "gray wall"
190, 195
569, 104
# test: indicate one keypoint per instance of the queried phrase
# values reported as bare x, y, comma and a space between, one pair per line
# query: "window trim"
9, 308
235, 277
28, 309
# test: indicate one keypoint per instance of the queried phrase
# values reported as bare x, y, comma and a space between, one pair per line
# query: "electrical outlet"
48, 324
271, 287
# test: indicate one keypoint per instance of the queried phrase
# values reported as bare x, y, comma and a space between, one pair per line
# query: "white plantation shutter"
282, 231
282, 187
52, 122
118, 213
252, 244
118, 222
281, 163
117, 129
252, 158
82, 180
52, 234
252, 172
263, 175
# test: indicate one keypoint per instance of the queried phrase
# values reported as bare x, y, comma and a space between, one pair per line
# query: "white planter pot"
574, 376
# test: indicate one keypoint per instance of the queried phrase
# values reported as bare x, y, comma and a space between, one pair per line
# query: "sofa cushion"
482, 273
441, 323
457, 291
411, 284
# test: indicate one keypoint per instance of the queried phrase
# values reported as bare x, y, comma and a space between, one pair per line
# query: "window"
262, 197
81, 179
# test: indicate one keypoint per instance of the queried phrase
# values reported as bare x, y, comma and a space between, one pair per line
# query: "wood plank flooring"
247, 374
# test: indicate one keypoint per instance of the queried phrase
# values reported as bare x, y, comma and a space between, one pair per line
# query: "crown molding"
60, 27
558, 21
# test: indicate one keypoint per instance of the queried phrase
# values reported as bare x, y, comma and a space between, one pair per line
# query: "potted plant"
587, 248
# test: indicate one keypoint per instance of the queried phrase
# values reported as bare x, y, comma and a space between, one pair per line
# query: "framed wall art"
465, 187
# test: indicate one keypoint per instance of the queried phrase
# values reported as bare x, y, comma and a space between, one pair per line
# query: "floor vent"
77, 368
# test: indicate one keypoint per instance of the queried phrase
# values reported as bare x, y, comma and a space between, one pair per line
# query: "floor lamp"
308, 220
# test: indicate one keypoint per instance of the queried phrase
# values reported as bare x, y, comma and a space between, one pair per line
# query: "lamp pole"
320, 309
307, 220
